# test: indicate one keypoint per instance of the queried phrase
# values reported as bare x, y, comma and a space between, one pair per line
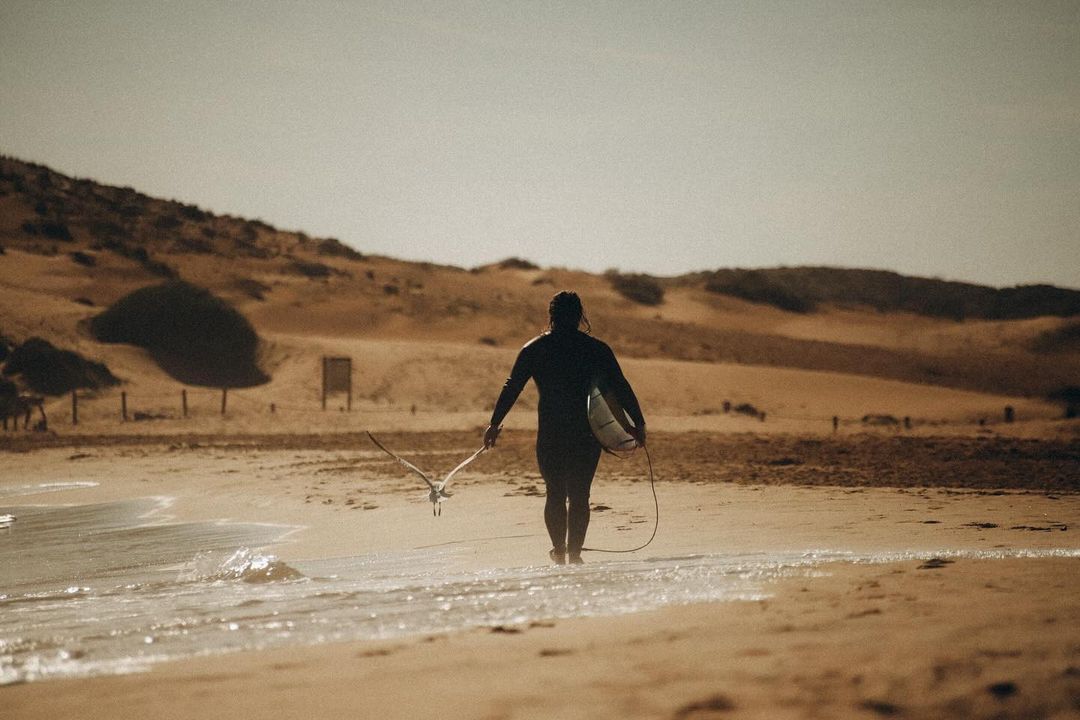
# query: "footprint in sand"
555, 652
705, 708
1002, 690
881, 707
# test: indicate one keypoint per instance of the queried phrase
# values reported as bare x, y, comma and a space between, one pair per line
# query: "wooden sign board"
336, 377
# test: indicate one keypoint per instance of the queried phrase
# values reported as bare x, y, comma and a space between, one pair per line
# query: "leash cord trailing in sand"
656, 505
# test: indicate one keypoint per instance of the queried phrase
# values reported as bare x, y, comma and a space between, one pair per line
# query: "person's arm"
519, 375
618, 384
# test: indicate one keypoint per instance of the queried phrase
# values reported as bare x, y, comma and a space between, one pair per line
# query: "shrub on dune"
194, 336
642, 289
48, 369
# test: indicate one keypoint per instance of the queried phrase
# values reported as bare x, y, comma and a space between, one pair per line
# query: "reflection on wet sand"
114, 587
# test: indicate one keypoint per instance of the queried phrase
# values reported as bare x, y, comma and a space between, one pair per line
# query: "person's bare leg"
578, 526
555, 519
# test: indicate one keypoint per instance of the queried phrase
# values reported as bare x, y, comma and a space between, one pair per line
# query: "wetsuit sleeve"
513, 386
618, 383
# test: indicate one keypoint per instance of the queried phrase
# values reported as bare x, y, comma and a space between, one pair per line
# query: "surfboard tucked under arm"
609, 421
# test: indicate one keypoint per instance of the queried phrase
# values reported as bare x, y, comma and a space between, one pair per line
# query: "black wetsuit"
564, 364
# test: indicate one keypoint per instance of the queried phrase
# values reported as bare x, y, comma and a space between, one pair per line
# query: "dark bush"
516, 263
310, 269
252, 288
880, 420
121, 248
83, 258
757, 287
193, 245
805, 287
56, 231
332, 247
139, 255
167, 222
29, 228
47, 369
156, 267
641, 289
191, 212
1063, 339
746, 409
194, 336
248, 247
106, 230
1069, 398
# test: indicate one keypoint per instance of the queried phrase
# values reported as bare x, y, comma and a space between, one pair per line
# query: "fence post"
183, 400
224, 398
123, 405
324, 383
74, 408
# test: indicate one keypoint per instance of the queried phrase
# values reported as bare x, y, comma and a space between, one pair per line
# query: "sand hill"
431, 344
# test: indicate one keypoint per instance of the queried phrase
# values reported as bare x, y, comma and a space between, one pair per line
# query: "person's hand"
491, 435
638, 433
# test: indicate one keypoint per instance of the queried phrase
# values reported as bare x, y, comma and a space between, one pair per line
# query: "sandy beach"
959, 604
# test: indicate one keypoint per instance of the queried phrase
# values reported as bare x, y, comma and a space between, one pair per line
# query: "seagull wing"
403, 461
446, 480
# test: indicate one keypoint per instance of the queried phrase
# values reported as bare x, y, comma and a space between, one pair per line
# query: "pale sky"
933, 138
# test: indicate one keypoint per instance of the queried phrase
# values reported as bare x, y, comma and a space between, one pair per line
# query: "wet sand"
976, 639
966, 638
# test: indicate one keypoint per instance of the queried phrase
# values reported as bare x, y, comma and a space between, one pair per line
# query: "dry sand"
972, 638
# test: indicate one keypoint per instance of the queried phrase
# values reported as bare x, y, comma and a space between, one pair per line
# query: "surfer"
564, 362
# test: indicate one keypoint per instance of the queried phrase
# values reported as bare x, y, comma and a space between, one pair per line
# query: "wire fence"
133, 405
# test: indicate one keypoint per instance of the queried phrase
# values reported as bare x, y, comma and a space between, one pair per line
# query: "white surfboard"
609, 422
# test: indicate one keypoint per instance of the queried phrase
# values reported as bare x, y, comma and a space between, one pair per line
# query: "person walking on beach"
564, 362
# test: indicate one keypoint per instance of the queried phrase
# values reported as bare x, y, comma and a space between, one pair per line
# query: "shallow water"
37, 488
114, 587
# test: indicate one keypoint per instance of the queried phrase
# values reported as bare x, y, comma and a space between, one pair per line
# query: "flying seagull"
436, 490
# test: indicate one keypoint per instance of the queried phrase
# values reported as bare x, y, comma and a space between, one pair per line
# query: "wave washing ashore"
112, 588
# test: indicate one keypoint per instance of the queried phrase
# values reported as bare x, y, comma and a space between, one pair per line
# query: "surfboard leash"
656, 506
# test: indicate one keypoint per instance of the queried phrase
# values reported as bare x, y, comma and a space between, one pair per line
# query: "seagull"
6, 521
436, 490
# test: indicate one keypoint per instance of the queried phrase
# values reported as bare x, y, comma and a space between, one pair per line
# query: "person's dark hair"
566, 313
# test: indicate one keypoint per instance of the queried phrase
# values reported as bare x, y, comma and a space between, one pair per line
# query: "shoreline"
976, 638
